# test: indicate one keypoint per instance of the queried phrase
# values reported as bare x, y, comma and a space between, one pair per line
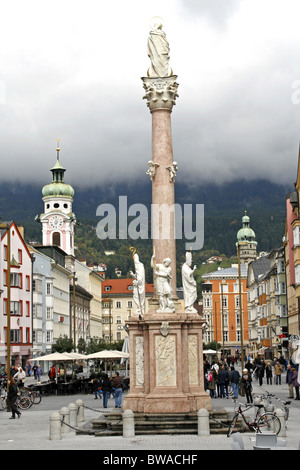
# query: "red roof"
120, 286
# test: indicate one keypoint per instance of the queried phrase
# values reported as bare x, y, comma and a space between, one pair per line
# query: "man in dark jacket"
12, 397
234, 380
223, 378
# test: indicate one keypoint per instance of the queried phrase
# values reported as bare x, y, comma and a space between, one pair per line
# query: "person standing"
211, 381
278, 372
260, 371
223, 378
39, 373
34, 369
234, 380
20, 377
296, 383
117, 385
289, 381
12, 397
106, 389
247, 385
269, 374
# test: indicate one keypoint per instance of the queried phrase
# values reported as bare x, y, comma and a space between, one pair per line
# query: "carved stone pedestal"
166, 364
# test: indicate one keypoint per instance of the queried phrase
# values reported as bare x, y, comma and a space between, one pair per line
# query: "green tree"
63, 344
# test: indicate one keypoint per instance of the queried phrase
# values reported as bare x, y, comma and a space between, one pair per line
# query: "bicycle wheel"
232, 425
269, 422
24, 403
36, 398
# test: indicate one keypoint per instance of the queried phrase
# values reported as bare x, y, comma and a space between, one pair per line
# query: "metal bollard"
128, 424
65, 417
73, 414
55, 427
203, 422
280, 413
80, 412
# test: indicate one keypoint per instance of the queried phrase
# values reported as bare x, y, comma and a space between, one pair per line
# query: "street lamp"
74, 311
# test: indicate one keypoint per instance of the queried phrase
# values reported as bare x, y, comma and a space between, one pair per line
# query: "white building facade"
20, 307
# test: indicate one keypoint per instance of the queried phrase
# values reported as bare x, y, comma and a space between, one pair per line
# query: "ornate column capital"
161, 93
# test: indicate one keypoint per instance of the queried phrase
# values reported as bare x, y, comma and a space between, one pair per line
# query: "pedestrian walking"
118, 386
34, 369
97, 389
289, 380
278, 372
12, 397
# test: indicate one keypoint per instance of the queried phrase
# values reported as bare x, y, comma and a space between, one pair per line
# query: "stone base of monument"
166, 363
111, 424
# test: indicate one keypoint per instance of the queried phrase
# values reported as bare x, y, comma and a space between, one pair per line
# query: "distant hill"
224, 207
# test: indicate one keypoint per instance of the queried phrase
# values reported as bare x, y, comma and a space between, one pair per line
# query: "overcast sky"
72, 70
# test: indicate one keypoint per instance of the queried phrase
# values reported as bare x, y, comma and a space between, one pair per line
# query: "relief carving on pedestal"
193, 359
165, 348
139, 361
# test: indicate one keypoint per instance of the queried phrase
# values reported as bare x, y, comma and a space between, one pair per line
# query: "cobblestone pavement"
31, 431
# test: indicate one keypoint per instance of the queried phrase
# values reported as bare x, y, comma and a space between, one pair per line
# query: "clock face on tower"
55, 221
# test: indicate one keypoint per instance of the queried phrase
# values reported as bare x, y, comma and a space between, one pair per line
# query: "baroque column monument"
166, 352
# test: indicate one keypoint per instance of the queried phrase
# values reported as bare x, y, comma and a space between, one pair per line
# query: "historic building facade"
19, 289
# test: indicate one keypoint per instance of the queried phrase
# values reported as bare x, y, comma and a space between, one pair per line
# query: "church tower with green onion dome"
58, 220
246, 239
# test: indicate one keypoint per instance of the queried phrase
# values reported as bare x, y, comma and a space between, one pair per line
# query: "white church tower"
58, 220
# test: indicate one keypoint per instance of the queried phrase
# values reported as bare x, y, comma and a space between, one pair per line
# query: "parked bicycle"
34, 395
262, 422
22, 402
266, 400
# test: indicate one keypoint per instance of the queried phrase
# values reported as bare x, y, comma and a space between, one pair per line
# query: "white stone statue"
152, 169
173, 170
163, 274
158, 51
139, 295
189, 284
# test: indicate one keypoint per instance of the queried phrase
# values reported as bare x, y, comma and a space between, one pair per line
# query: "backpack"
210, 377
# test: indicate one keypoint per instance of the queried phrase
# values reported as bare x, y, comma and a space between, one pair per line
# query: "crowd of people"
222, 380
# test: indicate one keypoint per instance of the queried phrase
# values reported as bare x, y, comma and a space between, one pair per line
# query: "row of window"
209, 336
118, 304
207, 301
16, 336
16, 280
108, 288
209, 318
17, 308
